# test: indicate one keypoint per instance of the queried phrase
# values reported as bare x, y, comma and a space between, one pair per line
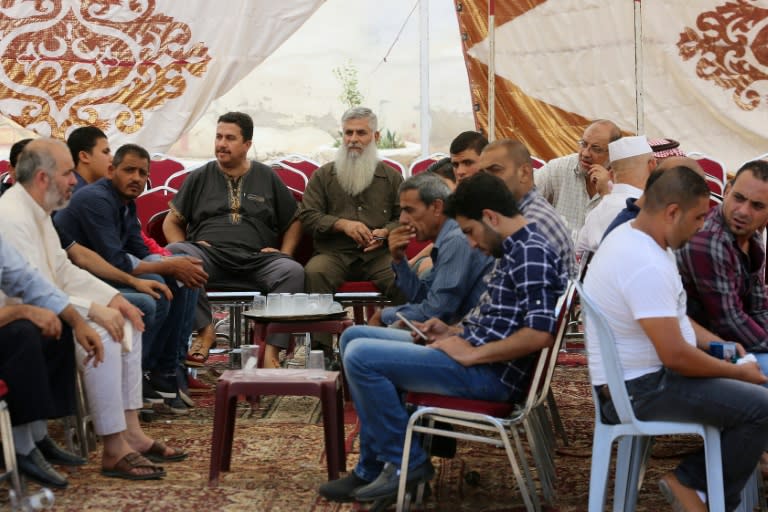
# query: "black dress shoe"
35, 467
341, 490
55, 454
387, 482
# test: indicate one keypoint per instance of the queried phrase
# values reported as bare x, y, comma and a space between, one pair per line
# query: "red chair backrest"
295, 180
414, 247
537, 162
176, 179
395, 165
714, 184
422, 164
711, 166
150, 203
300, 163
154, 227
4, 165
161, 170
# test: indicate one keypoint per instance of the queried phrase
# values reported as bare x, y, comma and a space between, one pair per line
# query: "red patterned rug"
278, 463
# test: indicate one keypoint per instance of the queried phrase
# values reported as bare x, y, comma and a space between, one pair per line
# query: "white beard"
355, 171
54, 199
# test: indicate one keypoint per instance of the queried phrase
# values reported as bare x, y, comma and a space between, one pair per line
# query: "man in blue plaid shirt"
488, 357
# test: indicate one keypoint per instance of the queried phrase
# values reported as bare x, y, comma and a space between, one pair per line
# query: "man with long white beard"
349, 207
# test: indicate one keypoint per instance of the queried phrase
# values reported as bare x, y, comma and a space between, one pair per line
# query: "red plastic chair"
715, 168
300, 163
714, 184
152, 202
395, 165
154, 227
294, 179
363, 305
161, 168
176, 179
422, 164
537, 162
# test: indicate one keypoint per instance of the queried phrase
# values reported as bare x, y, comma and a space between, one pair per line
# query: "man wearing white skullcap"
632, 161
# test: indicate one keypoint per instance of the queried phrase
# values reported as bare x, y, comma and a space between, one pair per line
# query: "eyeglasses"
594, 148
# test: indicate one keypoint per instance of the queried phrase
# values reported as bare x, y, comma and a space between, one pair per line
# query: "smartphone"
412, 327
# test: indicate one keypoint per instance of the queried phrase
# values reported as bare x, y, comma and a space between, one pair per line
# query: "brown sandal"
198, 352
197, 355
156, 453
133, 460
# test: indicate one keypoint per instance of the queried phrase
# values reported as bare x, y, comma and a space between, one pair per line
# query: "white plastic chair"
635, 435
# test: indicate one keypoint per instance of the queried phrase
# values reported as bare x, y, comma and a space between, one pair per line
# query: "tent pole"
426, 119
491, 70
639, 100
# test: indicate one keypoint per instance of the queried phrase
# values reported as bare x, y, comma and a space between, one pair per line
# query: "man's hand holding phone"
419, 337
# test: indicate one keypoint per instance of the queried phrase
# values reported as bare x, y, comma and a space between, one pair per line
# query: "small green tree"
350, 92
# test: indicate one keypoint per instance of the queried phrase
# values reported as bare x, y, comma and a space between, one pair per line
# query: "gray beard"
53, 199
355, 172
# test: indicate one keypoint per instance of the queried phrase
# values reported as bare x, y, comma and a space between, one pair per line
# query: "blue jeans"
380, 363
155, 312
168, 325
172, 340
739, 408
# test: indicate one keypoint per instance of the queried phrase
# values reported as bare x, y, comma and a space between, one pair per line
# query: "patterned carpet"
278, 463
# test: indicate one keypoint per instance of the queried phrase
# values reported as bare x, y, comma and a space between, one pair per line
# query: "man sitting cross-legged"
488, 358
231, 214
633, 279
456, 281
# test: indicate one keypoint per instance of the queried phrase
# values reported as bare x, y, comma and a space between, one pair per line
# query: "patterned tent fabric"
144, 71
562, 63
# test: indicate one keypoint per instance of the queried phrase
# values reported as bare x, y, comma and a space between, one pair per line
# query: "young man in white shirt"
633, 279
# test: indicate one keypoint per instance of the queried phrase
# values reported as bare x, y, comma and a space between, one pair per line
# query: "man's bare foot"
201, 345
271, 357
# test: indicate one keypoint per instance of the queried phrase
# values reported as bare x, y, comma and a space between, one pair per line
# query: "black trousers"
39, 372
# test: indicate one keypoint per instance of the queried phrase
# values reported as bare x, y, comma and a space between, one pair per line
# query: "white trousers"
115, 385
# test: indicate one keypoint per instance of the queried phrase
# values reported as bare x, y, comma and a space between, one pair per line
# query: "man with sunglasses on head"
575, 183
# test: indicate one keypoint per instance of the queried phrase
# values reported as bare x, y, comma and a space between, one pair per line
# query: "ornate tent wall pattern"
142, 70
562, 63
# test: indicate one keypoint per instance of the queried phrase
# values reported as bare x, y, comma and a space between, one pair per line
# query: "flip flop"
156, 453
130, 462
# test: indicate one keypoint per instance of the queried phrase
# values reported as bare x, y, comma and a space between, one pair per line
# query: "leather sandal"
198, 352
156, 453
125, 466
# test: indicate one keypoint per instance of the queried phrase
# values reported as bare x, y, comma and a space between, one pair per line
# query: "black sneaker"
387, 482
186, 399
341, 490
165, 385
148, 392
177, 406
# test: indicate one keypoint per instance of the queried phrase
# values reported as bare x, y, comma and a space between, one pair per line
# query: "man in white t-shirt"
633, 279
